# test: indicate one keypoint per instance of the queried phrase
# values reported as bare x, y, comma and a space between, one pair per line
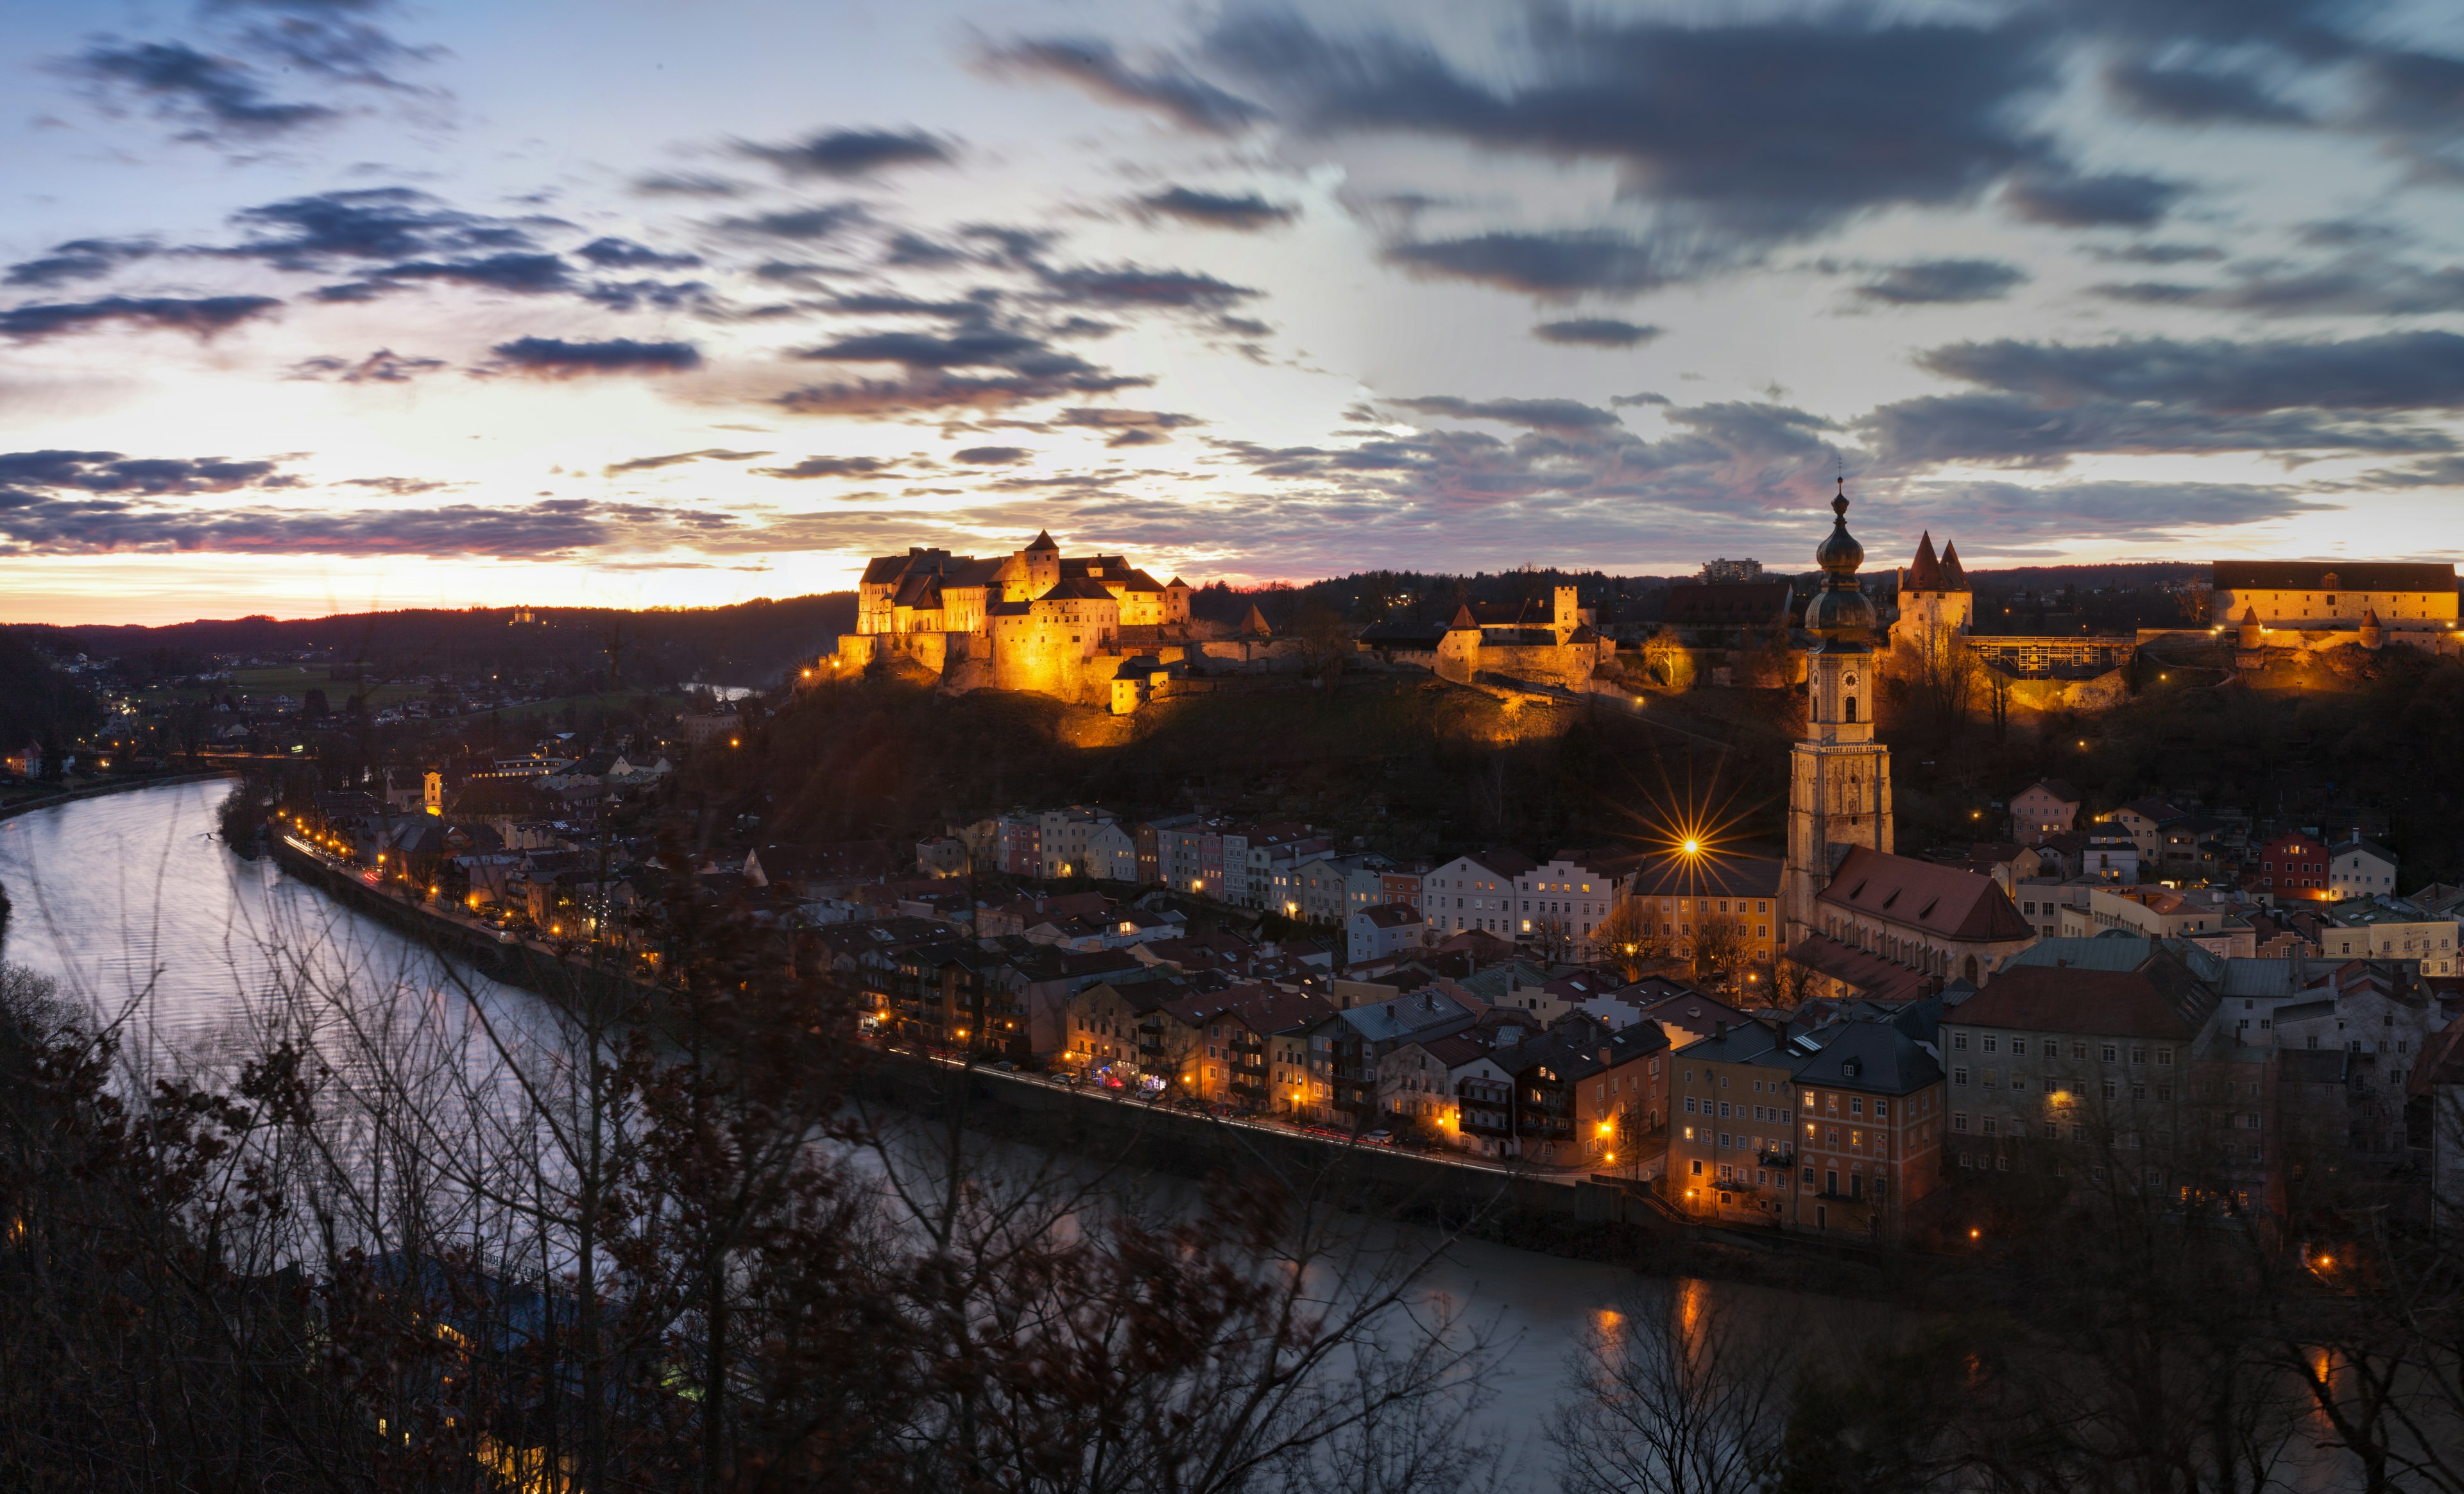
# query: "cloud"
382, 366
931, 391
651, 464
2119, 510
977, 347
991, 455
804, 225
852, 153
1248, 212
1167, 88
79, 259
634, 295
1560, 265
317, 36
2191, 96
2119, 199
1595, 331
1133, 285
557, 358
1932, 281
109, 471
617, 253
367, 223
830, 467
2357, 286
2392, 371
1537, 414
1756, 130
2156, 253
1128, 427
217, 94
2008, 430
538, 531
203, 316
525, 275
686, 183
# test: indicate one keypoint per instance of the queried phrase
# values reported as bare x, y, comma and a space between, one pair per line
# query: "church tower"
1839, 777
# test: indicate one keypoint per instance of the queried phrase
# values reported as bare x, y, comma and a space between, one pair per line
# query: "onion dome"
1840, 612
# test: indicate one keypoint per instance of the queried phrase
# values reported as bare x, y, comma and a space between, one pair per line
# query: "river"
134, 905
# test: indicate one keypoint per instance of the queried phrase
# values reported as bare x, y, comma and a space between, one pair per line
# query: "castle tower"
1042, 563
1934, 595
1839, 777
1566, 613
2253, 637
2373, 632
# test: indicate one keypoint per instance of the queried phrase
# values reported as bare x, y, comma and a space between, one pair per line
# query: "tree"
1325, 638
1669, 1396
1719, 949
1630, 939
1667, 660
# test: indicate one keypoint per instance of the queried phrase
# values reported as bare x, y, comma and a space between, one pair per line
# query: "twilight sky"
318, 305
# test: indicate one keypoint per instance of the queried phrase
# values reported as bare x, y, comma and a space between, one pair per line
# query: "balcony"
1770, 1159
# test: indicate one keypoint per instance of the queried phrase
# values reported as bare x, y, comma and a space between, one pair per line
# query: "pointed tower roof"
1176, 583
2249, 614
1924, 572
1254, 626
1463, 619
1043, 540
1953, 578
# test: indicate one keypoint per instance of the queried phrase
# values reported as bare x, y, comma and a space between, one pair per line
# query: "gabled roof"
2313, 576
2365, 844
1390, 915
1077, 588
2155, 809
1945, 902
1871, 975
2160, 998
2059, 789
1454, 1050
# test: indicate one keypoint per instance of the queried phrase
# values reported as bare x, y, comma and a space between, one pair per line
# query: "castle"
1093, 630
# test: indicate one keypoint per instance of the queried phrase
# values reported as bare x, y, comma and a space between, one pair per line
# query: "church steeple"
1839, 777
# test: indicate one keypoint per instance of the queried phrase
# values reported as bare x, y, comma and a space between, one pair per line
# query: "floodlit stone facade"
1086, 628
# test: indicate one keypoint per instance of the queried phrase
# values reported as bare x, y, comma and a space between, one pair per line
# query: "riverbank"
114, 786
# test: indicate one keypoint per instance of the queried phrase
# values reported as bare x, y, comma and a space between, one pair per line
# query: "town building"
2438, 1084
1729, 1154
1347, 1047
1476, 892
2360, 867
1735, 897
2413, 600
1621, 1107
1564, 902
2389, 928
1455, 1084
2292, 868
2047, 807
1383, 932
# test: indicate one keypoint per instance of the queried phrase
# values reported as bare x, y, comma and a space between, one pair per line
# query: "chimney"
1720, 1031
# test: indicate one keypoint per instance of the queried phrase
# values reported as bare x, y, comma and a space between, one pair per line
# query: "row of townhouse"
2157, 1065
1568, 905
2291, 863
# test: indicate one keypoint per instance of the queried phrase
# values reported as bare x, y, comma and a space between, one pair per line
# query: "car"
1378, 1139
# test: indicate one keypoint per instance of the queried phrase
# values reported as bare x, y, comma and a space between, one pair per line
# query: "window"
2112, 1090
2018, 1046
2111, 1053
1959, 1042
1881, 1109
1959, 1120
1959, 1076
1808, 1098
2079, 1050
2138, 1055
1856, 1107
1990, 1043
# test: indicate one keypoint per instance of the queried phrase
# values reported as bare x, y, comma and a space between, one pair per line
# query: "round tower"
2253, 637
2373, 636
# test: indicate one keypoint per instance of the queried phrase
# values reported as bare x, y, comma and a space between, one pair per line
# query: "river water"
137, 909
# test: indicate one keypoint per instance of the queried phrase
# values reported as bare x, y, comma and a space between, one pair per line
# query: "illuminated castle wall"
1033, 619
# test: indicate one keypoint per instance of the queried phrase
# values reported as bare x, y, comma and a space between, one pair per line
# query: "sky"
325, 305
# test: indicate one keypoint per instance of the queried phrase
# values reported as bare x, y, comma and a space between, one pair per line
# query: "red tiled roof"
1943, 901
1870, 976
2158, 1000
1953, 577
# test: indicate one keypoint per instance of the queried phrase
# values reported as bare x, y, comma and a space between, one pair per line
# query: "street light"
1693, 848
